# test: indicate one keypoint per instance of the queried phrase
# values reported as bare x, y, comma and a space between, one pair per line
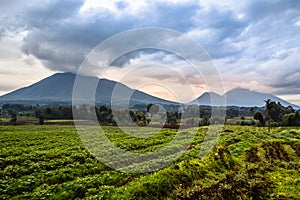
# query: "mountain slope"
241, 97
245, 97
59, 88
206, 98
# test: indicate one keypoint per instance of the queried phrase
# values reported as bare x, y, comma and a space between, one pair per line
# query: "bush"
246, 123
292, 119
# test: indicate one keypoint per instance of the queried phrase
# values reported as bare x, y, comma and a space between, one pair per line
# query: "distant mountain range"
241, 97
58, 88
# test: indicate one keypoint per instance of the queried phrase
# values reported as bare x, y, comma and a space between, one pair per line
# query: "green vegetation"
13, 119
277, 115
50, 162
273, 114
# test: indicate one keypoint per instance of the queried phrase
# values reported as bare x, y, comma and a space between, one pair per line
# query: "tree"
204, 122
48, 111
41, 119
292, 119
133, 116
252, 109
288, 110
13, 119
259, 116
274, 110
172, 118
0, 116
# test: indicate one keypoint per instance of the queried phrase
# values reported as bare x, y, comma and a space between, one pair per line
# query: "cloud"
152, 64
276, 9
62, 39
253, 43
288, 84
60, 35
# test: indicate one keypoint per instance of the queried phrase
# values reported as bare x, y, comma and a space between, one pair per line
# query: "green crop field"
50, 162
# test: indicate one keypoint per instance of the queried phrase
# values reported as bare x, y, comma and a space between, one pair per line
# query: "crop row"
51, 162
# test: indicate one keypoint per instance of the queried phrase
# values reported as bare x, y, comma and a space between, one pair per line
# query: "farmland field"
50, 162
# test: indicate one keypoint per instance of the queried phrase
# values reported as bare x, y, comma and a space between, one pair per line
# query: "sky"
254, 44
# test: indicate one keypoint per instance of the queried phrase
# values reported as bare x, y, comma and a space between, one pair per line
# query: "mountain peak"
242, 97
59, 88
240, 89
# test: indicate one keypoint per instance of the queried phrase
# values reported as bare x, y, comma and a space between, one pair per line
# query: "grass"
50, 162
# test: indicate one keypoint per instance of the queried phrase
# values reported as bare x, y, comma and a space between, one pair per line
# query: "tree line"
272, 114
277, 115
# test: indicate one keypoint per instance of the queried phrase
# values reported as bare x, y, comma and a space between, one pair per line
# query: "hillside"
59, 88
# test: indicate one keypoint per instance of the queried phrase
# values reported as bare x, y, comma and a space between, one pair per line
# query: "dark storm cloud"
177, 17
61, 38
288, 83
223, 27
243, 36
49, 12
57, 26
264, 24
158, 54
289, 90
62, 45
225, 22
